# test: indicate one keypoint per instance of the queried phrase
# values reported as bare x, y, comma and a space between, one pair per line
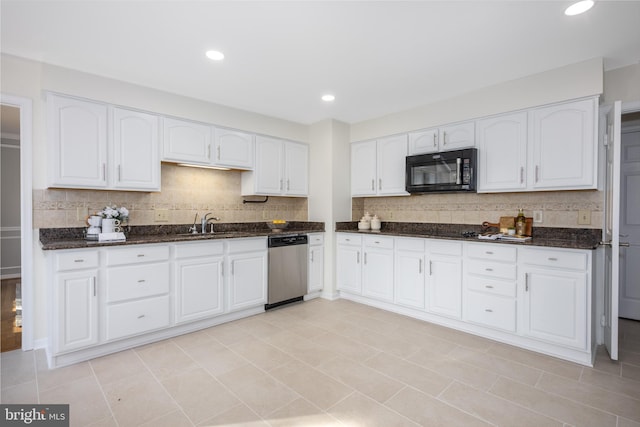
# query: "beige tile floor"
334, 363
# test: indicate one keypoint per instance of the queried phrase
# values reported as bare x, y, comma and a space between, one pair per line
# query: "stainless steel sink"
218, 235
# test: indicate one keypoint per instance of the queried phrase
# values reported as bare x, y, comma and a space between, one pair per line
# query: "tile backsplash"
185, 191
559, 208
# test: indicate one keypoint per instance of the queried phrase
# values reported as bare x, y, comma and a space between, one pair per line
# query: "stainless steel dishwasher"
287, 269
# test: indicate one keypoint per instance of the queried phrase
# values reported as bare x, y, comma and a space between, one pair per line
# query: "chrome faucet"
193, 229
205, 221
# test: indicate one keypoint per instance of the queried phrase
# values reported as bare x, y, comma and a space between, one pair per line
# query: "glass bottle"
520, 223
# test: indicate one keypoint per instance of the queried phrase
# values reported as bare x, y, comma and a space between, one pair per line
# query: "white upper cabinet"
98, 146
502, 152
233, 149
136, 152
281, 169
563, 146
445, 138
185, 141
77, 132
378, 167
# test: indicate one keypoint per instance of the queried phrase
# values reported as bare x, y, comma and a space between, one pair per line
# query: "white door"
186, 141
198, 288
363, 168
392, 152
247, 280
377, 274
296, 162
409, 279
269, 168
612, 230
77, 310
630, 225
445, 285
316, 268
348, 269
136, 153
233, 149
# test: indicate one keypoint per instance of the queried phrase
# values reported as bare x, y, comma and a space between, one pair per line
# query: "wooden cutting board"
507, 222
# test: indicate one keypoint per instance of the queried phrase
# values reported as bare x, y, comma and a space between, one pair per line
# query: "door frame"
26, 212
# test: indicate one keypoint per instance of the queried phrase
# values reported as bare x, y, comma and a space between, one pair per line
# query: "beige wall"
185, 191
622, 84
560, 208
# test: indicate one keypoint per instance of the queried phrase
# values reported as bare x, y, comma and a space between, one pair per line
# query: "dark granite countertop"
74, 238
568, 238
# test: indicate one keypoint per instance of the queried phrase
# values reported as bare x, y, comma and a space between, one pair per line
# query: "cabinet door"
136, 153
457, 135
77, 132
316, 268
377, 274
296, 174
247, 278
445, 285
563, 140
348, 269
198, 288
363, 168
555, 306
502, 153
233, 149
409, 279
185, 141
76, 311
423, 142
392, 153
269, 168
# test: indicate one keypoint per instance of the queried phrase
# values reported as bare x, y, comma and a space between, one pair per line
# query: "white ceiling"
377, 57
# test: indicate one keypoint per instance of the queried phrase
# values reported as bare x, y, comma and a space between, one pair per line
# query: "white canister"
111, 225
375, 223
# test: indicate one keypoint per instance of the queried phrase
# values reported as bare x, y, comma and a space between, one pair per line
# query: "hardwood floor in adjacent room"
11, 335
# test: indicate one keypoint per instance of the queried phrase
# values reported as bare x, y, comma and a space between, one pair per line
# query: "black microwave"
449, 171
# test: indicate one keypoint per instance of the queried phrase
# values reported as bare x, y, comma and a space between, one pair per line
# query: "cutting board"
507, 222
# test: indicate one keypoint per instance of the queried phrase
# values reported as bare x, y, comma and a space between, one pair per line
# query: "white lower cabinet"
556, 296
534, 297
377, 267
348, 267
490, 286
315, 268
410, 273
445, 278
246, 273
198, 280
109, 298
75, 307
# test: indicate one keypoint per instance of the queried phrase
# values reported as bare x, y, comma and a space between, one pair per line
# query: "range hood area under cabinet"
94, 145
547, 148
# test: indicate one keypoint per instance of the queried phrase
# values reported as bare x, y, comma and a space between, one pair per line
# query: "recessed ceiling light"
328, 98
215, 55
579, 7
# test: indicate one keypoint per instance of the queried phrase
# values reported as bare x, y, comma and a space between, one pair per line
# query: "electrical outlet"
161, 215
537, 216
584, 217
82, 213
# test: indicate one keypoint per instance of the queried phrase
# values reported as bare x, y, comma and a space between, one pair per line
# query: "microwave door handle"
458, 171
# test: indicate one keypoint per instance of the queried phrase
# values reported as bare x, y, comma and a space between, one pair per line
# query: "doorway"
629, 307
20, 111
10, 281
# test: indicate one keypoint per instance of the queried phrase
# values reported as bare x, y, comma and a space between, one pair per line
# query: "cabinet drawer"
138, 254
492, 252
405, 244
491, 310
247, 245
316, 239
136, 317
445, 248
76, 260
492, 286
378, 242
554, 258
349, 239
497, 270
137, 281
199, 249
